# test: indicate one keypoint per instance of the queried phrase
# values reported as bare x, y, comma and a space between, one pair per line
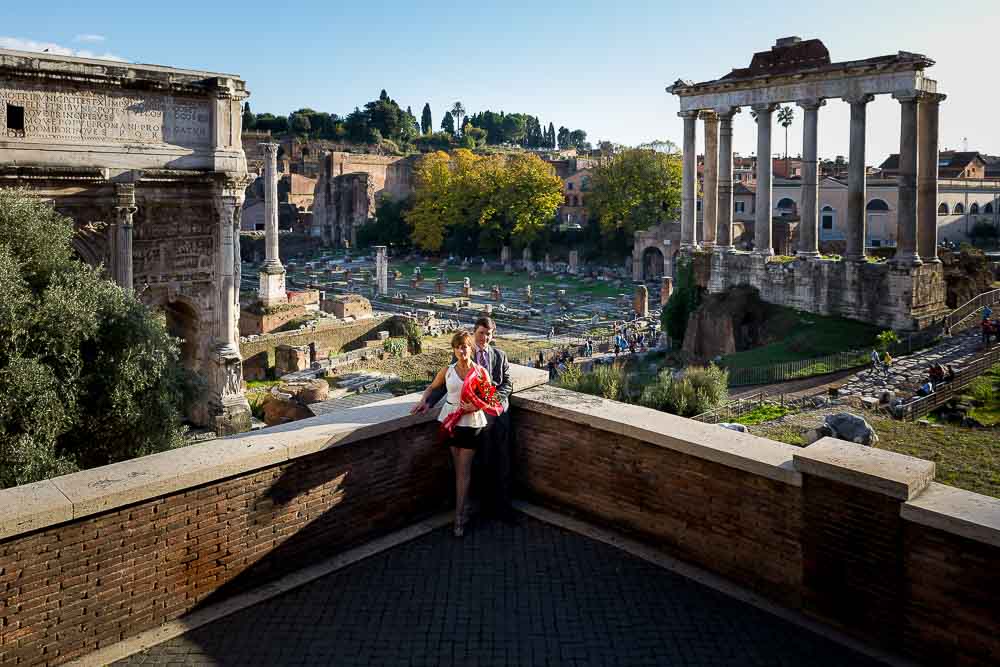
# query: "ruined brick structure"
349, 187
148, 163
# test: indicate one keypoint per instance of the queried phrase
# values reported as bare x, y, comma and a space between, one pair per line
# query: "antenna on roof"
965, 144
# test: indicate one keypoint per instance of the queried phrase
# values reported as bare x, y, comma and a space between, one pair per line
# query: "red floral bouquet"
478, 390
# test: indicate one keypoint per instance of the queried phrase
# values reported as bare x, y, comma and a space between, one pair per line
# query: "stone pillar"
227, 402
124, 210
505, 258
689, 181
381, 271
526, 259
573, 261
272, 273
762, 237
927, 175
906, 218
666, 289
809, 220
640, 302
710, 198
724, 233
856, 236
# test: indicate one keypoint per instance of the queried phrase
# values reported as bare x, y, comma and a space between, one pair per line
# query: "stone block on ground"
306, 391
850, 427
281, 408
734, 427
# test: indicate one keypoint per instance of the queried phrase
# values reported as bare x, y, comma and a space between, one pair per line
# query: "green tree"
563, 137
551, 143
578, 140
426, 123
300, 124
785, 117
448, 123
88, 375
634, 190
684, 300
458, 113
248, 118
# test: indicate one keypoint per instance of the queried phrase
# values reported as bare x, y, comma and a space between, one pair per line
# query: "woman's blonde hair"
460, 338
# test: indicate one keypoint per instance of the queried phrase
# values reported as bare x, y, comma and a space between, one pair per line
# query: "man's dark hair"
485, 322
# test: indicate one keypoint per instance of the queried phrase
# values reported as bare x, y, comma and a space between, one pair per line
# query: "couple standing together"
477, 436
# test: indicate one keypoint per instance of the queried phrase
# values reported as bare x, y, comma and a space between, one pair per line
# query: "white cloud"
20, 44
89, 38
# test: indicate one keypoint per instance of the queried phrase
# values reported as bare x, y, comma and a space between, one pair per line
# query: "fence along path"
923, 405
965, 315
800, 368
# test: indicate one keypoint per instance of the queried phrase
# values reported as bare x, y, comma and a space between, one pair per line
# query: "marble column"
856, 236
809, 214
381, 271
762, 237
724, 229
125, 208
689, 181
710, 188
227, 400
272, 273
906, 209
927, 175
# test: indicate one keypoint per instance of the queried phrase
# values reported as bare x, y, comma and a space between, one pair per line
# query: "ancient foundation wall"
901, 298
855, 537
329, 338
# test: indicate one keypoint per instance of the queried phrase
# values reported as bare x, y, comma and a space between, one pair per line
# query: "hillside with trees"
383, 122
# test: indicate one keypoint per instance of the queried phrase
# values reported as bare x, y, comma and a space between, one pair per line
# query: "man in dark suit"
496, 456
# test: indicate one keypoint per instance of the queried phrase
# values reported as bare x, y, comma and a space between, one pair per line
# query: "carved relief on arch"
91, 243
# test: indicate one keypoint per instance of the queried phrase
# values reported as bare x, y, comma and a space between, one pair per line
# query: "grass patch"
261, 385
765, 412
799, 335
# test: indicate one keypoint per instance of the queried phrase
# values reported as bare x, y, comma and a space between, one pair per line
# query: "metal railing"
798, 369
944, 392
964, 316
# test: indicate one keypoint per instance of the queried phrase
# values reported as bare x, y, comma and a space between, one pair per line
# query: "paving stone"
529, 594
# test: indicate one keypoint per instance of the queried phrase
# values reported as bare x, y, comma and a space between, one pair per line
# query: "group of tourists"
937, 375
881, 363
475, 421
628, 337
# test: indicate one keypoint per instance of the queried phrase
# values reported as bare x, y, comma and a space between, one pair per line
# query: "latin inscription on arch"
64, 115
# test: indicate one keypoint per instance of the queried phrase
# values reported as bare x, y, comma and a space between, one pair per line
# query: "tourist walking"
886, 363
467, 435
876, 361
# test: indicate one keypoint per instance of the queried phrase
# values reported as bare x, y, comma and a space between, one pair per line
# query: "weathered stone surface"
852, 428
895, 475
306, 391
280, 408
741, 428
290, 358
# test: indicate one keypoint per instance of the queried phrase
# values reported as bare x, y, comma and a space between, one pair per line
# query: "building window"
943, 209
988, 209
827, 217
876, 243
567, 200
15, 120
698, 205
974, 209
877, 205
959, 209
740, 206
569, 186
585, 183
786, 207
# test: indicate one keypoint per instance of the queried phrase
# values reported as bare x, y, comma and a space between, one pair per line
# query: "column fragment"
688, 181
272, 273
710, 196
927, 175
856, 179
724, 235
809, 222
762, 237
125, 209
906, 218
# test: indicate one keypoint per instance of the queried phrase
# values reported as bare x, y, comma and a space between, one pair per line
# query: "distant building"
572, 213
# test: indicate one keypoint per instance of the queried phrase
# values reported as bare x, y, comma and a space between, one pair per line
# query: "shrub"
394, 347
88, 374
605, 381
698, 390
683, 302
982, 389
885, 339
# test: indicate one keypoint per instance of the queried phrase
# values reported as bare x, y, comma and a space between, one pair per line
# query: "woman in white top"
469, 431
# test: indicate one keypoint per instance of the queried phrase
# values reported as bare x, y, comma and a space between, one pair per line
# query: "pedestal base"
272, 287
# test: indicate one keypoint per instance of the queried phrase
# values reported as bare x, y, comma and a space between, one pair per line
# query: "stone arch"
988, 209
943, 209
786, 207
184, 322
653, 263
959, 209
877, 205
974, 209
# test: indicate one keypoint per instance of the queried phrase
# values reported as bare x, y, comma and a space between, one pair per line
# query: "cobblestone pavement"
908, 372
530, 594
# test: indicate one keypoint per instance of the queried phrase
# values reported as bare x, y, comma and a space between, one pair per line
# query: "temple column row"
917, 208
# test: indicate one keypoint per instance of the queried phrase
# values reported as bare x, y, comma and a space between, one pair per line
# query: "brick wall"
735, 523
329, 339
72, 588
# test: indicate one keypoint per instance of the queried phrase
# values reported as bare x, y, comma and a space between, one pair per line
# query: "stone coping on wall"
888, 473
34, 506
957, 511
706, 441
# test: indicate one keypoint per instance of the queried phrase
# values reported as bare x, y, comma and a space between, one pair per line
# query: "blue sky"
601, 67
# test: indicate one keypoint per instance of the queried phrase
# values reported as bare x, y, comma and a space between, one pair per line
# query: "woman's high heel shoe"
459, 530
